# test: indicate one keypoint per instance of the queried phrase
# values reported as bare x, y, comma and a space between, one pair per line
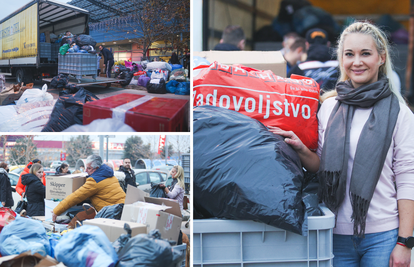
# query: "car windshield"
18, 170
13, 179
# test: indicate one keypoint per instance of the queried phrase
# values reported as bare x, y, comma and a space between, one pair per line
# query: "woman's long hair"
179, 175
35, 167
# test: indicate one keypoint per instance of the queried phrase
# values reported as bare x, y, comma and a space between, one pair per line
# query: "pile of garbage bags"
25, 239
157, 77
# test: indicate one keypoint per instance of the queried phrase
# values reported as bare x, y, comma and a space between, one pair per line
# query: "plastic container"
247, 243
185, 158
183, 249
55, 52
78, 64
45, 52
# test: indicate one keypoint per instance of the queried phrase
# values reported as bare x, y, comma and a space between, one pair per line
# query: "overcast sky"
8, 7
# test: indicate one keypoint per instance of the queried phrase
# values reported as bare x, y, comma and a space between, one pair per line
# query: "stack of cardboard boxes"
143, 214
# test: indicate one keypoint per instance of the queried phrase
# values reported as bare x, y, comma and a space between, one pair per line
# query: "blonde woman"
35, 190
176, 190
365, 156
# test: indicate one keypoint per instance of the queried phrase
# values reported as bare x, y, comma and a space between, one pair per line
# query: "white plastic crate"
78, 64
234, 243
183, 249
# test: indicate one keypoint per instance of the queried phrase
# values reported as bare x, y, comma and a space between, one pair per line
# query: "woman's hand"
308, 158
400, 257
291, 138
3, 203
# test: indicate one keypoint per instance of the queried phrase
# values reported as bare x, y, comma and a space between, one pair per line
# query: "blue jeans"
373, 250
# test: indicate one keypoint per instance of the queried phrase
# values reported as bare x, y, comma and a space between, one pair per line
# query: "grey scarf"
372, 147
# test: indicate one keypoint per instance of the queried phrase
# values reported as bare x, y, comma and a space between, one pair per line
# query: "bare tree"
79, 147
4, 141
180, 143
24, 150
146, 22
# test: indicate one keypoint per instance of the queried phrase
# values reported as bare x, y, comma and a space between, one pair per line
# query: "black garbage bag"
157, 191
120, 243
60, 81
111, 212
128, 78
68, 109
84, 39
149, 250
157, 86
243, 171
310, 194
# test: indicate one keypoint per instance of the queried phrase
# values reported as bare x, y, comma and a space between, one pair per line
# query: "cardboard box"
115, 228
26, 259
156, 213
8, 96
60, 187
261, 60
50, 205
142, 113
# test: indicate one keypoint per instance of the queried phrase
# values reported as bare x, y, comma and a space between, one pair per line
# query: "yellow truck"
26, 50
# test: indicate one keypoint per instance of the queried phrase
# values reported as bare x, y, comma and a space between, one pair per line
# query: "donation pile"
157, 77
244, 171
142, 232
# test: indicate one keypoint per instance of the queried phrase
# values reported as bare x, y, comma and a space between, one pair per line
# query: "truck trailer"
26, 50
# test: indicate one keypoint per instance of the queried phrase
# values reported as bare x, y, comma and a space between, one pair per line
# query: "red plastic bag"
6, 216
139, 73
288, 103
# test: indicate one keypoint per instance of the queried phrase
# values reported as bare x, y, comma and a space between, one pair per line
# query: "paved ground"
101, 91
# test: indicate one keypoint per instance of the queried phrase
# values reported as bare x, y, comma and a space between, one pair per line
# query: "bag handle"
239, 66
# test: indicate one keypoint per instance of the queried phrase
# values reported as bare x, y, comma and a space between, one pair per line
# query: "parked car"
18, 170
50, 172
13, 178
165, 168
55, 164
143, 178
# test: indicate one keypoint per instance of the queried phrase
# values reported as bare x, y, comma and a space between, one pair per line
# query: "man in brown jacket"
101, 187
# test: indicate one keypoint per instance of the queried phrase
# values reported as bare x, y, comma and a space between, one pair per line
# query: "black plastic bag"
149, 251
157, 191
21, 205
243, 171
68, 109
111, 212
128, 77
59, 81
84, 39
156, 87
120, 243
310, 194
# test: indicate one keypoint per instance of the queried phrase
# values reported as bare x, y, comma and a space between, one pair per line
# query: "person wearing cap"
319, 64
20, 188
233, 39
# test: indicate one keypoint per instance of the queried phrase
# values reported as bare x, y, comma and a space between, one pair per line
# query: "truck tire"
20, 76
24, 75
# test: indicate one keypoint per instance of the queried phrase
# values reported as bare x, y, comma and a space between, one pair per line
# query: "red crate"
142, 113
